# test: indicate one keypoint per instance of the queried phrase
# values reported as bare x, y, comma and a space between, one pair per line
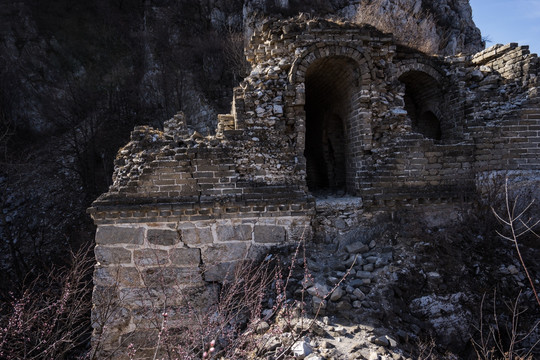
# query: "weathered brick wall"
503, 117
512, 62
180, 214
412, 130
160, 259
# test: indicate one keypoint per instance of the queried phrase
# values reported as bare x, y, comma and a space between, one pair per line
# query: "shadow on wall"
422, 98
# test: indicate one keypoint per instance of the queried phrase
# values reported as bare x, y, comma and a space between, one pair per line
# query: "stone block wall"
151, 263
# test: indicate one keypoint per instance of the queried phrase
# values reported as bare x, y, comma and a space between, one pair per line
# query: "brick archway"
423, 99
297, 73
331, 129
402, 68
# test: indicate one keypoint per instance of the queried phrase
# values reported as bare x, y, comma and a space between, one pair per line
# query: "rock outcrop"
448, 23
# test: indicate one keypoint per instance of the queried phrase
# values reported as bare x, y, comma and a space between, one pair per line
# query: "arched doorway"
422, 99
330, 84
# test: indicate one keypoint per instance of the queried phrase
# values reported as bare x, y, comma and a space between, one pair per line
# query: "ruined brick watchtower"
328, 108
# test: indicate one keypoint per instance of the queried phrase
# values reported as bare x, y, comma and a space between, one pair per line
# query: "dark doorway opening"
329, 85
422, 97
429, 125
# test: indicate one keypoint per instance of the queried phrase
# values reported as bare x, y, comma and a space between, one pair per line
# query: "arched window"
422, 99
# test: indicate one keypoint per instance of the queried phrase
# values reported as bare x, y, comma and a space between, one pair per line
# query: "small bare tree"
503, 336
518, 225
233, 49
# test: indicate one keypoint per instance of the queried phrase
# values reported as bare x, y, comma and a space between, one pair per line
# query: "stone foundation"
145, 268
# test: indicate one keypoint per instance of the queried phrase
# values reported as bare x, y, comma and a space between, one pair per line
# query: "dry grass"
417, 31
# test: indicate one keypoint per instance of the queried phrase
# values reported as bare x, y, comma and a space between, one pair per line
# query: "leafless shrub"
229, 327
425, 348
479, 219
233, 50
502, 335
254, 305
50, 318
518, 224
417, 31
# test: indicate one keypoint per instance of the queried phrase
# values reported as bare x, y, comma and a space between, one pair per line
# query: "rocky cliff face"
165, 56
75, 77
447, 24
154, 57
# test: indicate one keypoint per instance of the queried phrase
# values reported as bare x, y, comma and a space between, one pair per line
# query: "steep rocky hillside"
157, 57
76, 76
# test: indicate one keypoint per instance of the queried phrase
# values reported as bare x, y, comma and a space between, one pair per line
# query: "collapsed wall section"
182, 212
503, 111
